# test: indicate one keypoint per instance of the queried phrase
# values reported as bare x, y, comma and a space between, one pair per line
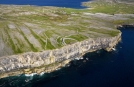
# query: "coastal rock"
50, 60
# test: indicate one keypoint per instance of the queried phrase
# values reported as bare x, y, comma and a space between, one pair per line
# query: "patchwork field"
33, 28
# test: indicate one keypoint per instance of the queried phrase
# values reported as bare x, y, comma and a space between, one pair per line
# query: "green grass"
21, 45
110, 8
59, 42
69, 41
122, 22
38, 17
78, 37
38, 38
30, 45
118, 22
49, 45
49, 33
104, 31
10, 41
57, 23
70, 10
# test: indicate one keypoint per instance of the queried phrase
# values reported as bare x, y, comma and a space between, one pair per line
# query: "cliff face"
50, 60
43, 39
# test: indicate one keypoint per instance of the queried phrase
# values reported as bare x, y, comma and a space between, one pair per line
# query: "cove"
97, 69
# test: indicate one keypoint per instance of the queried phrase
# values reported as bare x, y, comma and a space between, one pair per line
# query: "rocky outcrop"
50, 60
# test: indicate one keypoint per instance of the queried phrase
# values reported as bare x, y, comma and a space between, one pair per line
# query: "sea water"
97, 69
59, 3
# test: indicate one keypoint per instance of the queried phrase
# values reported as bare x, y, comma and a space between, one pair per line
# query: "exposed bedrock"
50, 60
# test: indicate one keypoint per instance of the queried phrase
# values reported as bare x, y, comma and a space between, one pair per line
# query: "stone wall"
50, 60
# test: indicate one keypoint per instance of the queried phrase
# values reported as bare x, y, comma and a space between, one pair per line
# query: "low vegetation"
33, 28
109, 7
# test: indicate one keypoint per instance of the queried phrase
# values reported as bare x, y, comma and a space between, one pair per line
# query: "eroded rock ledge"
38, 29
50, 60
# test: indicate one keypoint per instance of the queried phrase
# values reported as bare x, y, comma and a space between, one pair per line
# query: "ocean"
97, 69
58, 3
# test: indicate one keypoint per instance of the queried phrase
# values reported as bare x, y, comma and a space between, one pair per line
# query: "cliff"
50, 60
42, 39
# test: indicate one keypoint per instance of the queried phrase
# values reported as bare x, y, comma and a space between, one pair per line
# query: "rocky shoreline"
50, 60
125, 25
37, 45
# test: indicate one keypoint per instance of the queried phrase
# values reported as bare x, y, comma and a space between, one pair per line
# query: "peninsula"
36, 39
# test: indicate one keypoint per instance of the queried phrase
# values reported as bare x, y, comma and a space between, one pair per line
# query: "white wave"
27, 80
67, 65
113, 49
58, 68
42, 73
77, 58
81, 58
32, 74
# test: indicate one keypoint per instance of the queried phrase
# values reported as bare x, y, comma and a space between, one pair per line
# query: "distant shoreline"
45, 39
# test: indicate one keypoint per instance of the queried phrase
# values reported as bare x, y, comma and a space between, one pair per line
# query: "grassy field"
110, 8
33, 28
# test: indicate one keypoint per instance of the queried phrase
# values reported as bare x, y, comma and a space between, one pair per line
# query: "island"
36, 39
